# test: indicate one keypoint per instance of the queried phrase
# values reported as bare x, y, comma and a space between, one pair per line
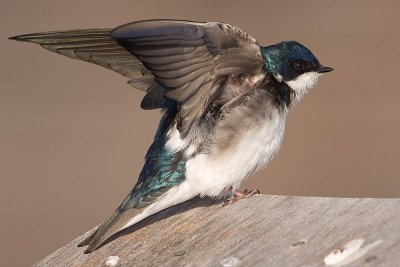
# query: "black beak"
323, 69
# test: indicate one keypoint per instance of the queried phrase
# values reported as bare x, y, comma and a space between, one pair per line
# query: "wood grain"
262, 230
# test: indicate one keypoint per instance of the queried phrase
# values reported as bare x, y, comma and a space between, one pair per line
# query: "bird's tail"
108, 228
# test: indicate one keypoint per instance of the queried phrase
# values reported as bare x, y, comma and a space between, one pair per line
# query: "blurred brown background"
73, 136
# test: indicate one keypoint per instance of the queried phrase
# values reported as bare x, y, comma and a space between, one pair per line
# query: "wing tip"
85, 242
18, 38
91, 247
88, 251
61, 36
24, 38
92, 244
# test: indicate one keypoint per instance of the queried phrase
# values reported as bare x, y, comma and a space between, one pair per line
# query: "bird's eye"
298, 65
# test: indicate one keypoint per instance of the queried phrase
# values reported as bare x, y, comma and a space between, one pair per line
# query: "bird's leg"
238, 195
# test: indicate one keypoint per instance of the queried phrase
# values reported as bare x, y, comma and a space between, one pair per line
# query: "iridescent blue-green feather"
163, 168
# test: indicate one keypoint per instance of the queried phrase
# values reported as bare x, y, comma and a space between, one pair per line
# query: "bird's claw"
238, 195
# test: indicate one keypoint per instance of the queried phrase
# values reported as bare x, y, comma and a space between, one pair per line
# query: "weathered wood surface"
262, 230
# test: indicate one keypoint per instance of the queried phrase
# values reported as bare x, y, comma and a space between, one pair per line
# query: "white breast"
211, 174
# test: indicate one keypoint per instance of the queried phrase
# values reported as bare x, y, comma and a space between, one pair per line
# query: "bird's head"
294, 64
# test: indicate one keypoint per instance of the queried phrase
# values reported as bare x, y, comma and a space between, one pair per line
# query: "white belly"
212, 174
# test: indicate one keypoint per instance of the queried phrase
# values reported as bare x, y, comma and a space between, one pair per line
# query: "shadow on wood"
259, 231
175, 210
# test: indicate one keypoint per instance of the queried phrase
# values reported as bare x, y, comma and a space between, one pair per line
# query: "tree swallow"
224, 99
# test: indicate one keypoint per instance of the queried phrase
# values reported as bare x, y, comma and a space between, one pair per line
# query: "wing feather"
184, 60
91, 45
188, 58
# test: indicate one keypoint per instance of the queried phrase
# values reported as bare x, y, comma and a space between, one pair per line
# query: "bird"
224, 100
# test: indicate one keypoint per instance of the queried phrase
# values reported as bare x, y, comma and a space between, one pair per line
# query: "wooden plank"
262, 230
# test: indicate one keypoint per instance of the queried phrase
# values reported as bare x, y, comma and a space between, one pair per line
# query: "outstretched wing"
191, 60
97, 47
182, 60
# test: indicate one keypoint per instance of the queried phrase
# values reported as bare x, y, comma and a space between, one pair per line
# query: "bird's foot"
238, 195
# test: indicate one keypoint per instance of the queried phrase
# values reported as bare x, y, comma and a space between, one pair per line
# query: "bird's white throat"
303, 83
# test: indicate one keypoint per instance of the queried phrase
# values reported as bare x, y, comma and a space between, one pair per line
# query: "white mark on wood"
230, 261
349, 252
112, 261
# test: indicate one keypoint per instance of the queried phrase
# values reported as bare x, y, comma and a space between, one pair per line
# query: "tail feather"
88, 239
108, 228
